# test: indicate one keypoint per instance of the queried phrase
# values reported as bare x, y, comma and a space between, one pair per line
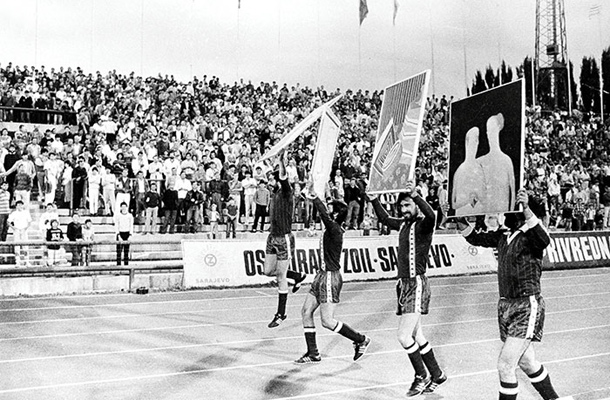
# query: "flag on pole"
395, 11
595, 10
364, 10
328, 136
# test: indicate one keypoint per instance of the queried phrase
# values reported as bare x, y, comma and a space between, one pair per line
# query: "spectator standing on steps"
20, 219
108, 188
353, 197
53, 234
261, 199
75, 234
231, 214
5, 210
193, 205
88, 236
152, 201
170, 210
123, 223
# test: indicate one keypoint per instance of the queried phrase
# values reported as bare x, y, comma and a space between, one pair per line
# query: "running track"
215, 344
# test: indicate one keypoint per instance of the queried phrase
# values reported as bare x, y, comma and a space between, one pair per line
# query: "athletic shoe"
418, 386
308, 359
434, 383
277, 320
360, 348
297, 283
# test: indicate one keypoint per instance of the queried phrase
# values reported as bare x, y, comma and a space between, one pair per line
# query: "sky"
311, 42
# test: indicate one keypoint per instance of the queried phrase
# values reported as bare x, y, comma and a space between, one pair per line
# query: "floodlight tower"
552, 77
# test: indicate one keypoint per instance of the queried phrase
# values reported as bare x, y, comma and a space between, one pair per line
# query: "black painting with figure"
486, 151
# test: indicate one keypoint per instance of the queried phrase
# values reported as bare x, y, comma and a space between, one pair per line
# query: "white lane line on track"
264, 294
196, 326
469, 278
143, 350
221, 369
111, 305
368, 301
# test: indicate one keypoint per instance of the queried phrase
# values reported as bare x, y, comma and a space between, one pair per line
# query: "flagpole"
394, 43
91, 34
191, 29
142, 38
318, 42
359, 59
237, 43
36, 35
431, 46
601, 62
465, 59
279, 41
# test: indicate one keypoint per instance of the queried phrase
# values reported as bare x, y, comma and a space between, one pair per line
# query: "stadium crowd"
189, 152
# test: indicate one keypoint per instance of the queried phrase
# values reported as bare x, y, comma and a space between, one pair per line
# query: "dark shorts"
413, 295
521, 318
281, 246
326, 286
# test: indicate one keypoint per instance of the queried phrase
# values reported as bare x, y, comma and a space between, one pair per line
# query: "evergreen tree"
490, 77
478, 84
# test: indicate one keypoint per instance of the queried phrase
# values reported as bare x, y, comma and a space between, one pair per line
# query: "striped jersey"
414, 237
331, 243
281, 209
519, 256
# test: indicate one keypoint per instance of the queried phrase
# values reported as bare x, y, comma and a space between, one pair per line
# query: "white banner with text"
219, 263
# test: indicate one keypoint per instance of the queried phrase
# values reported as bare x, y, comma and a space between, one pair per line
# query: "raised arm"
286, 188
384, 217
319, 204
537, 235
429, 220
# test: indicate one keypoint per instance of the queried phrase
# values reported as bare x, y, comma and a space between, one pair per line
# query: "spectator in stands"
605, 201
261, 199
23, 186
353, 198
53, 234
79, 179
75, 234
123, 189
231, 214
249, 185
108, 182
217, 190
123, 223
299, 203
88, 237
140, 188
170, 210
20, 220
182, 187
94, 182
5, 210
10, 159
213, 216
152, 201
194, 204
235, 188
